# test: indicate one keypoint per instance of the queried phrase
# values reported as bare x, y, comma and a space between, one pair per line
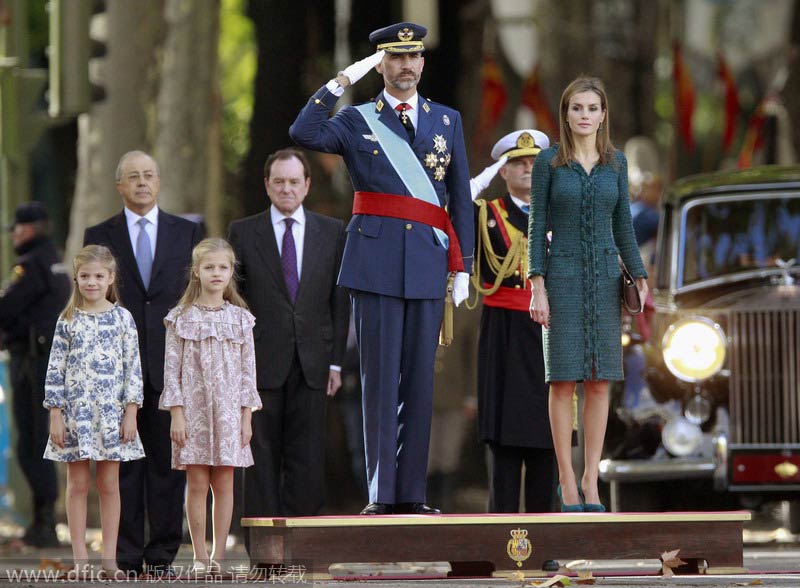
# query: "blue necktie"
144, 253
289, 260
525, 208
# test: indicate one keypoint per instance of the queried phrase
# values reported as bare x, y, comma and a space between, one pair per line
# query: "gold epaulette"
503, 266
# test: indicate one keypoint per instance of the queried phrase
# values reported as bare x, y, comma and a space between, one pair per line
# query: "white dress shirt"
413, 102
520, 203
298, 232
151, 227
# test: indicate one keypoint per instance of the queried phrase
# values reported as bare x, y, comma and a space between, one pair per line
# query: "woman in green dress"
580, 193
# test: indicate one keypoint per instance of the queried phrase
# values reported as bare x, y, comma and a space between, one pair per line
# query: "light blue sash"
404, 161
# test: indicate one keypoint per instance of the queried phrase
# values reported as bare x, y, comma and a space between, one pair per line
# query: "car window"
722, 236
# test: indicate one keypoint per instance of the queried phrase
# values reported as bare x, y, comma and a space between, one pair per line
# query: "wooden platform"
484, 545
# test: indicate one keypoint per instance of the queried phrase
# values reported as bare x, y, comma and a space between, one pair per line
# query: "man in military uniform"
512, 395
30, 303
407, 161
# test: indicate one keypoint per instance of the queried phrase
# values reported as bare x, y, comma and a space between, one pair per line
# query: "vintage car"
720, 397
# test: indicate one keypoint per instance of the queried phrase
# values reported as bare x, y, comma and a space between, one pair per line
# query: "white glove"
460, 288
358, 70
480, 182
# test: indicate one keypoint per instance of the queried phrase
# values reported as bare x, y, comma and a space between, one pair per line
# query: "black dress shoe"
416, 508
377, 508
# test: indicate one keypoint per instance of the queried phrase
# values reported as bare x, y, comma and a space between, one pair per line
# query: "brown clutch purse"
631, 300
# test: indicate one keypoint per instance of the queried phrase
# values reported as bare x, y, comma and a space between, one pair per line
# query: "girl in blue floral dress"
93, 389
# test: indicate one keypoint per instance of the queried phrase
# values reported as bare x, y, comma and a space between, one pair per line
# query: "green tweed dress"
590, 219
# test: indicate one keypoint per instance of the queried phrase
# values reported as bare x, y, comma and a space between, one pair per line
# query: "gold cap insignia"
405, 34
525, 141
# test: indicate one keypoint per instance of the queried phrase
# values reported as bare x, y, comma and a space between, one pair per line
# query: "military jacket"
392, 256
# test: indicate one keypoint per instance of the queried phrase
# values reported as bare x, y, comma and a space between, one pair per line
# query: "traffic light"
71, 49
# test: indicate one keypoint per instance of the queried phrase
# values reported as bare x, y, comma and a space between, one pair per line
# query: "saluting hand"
177, 428
354, 72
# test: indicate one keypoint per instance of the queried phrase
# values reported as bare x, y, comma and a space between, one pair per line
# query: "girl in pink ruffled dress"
210, 391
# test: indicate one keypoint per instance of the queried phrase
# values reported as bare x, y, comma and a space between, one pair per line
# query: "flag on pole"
684, 96
494, 97
533, 97
732, 107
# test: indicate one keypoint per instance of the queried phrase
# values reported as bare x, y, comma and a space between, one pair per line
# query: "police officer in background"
513, 416
30, 303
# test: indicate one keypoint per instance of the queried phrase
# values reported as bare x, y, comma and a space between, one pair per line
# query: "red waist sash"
413, 209
509, 298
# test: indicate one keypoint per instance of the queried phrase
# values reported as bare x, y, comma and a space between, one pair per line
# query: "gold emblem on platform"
438, 174
431, 160
439, 143
786, 470
519, 548
405, 34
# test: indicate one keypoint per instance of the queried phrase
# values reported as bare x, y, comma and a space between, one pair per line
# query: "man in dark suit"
289, 258
153, 251
411, 209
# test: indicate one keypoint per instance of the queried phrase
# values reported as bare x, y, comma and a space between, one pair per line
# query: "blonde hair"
566, 147
193, 290
91, 254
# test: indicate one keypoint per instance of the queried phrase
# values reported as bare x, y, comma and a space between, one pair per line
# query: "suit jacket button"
375, 151
359, 229
317, 101
408, 227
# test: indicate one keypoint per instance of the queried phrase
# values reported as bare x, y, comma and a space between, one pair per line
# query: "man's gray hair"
128, 155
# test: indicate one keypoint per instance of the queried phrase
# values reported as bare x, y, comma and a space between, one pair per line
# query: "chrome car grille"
765, 376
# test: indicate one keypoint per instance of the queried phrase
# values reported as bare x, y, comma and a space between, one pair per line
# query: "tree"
125, 120
187, 145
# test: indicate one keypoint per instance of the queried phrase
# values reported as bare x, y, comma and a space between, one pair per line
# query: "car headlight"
680, 437
694, 349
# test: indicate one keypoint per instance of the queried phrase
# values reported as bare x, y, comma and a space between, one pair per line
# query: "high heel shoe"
590, 506
568, 507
